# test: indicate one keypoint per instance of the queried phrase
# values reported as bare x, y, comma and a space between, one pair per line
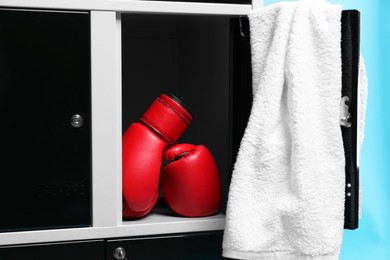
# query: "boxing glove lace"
142, 146
190, 181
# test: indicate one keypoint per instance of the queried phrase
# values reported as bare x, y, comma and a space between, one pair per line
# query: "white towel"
362, 107
286, 198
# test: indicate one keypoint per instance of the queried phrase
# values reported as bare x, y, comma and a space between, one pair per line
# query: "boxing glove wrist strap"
167, 118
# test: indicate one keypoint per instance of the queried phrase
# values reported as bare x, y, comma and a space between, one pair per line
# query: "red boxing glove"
190, 182
142, 146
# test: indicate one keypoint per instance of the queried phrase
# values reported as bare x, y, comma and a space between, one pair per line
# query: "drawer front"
92, 250
187, 246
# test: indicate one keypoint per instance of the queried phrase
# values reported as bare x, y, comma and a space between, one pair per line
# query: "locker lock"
119, 253
77, 121
345, 116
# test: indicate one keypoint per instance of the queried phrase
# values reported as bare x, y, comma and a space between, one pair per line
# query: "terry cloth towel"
362, 107
286, 197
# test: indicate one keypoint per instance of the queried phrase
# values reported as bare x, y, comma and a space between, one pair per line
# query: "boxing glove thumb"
190, 181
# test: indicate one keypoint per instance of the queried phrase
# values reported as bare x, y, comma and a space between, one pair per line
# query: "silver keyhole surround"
77, 121
119, 253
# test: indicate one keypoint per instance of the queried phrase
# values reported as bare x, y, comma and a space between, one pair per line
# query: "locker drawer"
184, 246
86, 250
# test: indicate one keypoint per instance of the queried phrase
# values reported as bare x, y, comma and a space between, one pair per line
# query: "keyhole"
77, 121
119, 253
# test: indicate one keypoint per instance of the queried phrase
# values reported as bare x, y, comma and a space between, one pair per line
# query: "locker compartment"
206, 62
189, 57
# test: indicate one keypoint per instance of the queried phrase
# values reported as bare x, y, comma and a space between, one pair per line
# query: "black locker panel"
45, 163
350, 50
241, 89
90, 250
193, 246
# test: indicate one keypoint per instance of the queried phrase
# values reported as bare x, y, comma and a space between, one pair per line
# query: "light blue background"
372, 239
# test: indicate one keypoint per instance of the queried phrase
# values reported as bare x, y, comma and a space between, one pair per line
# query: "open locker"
206, 62
189, 57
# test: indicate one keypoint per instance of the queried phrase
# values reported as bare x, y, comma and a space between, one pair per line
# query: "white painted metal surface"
106, 118
132, 6
153, 224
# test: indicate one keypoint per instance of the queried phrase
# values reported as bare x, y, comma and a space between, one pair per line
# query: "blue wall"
372, 239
